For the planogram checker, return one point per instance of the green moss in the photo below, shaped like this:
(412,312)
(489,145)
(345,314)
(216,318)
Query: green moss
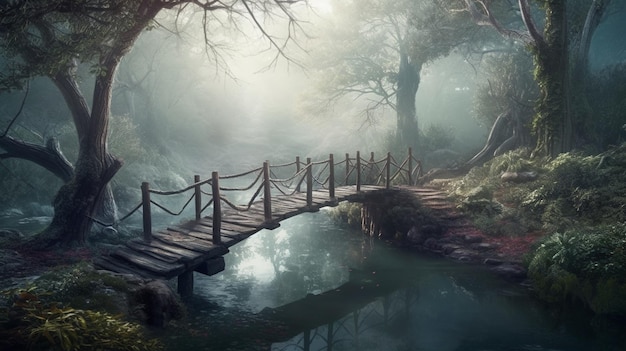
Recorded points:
(83,287)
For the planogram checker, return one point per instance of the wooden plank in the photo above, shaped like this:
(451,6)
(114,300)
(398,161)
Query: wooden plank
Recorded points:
(183,254)
(115,265)
(240,229)
(165,256)
(246,219)
(149,263)
(186,241)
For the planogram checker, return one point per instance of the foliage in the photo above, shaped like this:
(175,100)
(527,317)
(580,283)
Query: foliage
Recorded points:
(436,136)
(509,86)
(48,326)
(125,140)
(347,212)
(583,189)
(83,287)
(586,264)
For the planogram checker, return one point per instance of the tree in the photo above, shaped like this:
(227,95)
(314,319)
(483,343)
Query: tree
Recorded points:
(377,49)
(553,122)
(53,39)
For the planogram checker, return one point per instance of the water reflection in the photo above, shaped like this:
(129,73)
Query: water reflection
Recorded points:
(313,285)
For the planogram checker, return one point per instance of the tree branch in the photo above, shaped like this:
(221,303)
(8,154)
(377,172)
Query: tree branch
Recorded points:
(19,112)
(49,157)
(530,24)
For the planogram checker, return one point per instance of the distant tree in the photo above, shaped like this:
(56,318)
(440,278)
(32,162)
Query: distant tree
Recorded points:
(52,39)
(375,50)
(563,47)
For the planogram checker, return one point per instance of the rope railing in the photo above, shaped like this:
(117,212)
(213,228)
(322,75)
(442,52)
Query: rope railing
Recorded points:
(309,175)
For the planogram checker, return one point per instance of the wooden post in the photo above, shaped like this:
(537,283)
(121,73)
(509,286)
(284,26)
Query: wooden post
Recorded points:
(358,171)
(371,162)
(185,284)
(309,182)
(147,216)
(388,171)
(410,164)
(267,192)
(306,341)
(331,177)
(329,336)
(347,169)
(198,196)
(217,208)
(298,171)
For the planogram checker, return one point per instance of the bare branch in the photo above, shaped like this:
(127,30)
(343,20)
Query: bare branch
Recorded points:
(529,23)
(19,112)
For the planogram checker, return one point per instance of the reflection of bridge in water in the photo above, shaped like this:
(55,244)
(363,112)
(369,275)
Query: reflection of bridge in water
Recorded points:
(278,192)
(369,300)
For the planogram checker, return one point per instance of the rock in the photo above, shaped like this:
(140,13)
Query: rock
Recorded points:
(479,192)
(12,212)
(511,271)
(462,254)
(472,239)
(482,247)
(420,234)
(492,261)
(518,177)
(160,303)
(449,248)
(432,244)
(414,235)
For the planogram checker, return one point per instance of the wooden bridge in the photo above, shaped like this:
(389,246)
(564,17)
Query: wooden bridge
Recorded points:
(287,190)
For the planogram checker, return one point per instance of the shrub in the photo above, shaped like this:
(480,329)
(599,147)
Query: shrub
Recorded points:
(584,264)
(30,322)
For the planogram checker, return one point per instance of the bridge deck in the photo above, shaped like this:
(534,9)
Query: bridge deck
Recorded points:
(183,248)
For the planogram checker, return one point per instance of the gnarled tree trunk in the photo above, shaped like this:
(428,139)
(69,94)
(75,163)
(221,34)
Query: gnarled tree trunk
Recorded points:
(407,131)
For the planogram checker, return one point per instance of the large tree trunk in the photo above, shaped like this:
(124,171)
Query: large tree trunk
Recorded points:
(407,132)
(77,200)
(552,123)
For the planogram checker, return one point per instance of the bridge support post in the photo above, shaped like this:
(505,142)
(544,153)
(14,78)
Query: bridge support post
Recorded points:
(147,215)
(197,196)
(267,192)
(388,171)
(345,182)
(358,171)
(217,208)
(298,171)
(309,182)
(331,178)
(185,284)
(410,165)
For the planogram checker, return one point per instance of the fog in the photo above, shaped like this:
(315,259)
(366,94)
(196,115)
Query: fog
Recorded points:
(182,107)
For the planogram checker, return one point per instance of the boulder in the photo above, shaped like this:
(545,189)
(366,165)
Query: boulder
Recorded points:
(511,271)
(518,177)
(159,303)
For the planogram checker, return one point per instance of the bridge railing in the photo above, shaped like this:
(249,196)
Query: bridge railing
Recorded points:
(288,179)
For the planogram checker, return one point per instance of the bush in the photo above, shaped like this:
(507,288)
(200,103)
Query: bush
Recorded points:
(31,323)
(584,264)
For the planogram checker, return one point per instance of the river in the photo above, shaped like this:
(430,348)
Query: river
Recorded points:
(313,284)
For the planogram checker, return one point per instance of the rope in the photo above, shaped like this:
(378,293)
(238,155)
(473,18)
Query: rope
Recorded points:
(171,212)
(174,192)
(246,188)
(241,174)
(119,220)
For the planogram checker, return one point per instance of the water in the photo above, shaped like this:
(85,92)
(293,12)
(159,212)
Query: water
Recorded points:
(314,285)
